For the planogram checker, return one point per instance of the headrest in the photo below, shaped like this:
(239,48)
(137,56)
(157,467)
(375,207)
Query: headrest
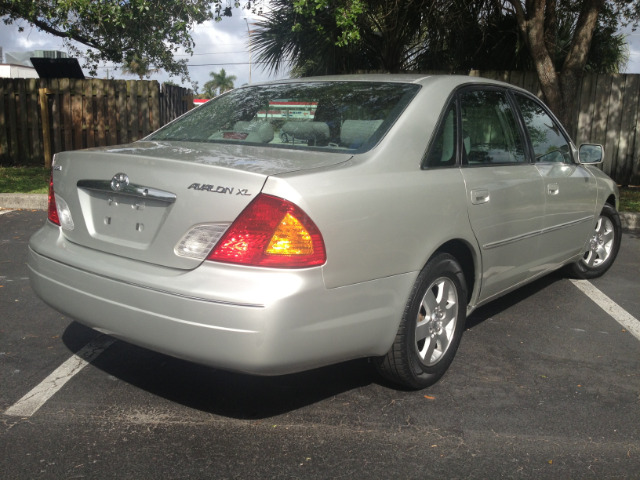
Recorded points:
(258,132)
(354,133)
(318,131)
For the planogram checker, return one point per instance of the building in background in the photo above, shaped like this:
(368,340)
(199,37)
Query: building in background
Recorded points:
(18,64)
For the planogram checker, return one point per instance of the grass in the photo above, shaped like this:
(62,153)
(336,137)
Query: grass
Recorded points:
(24,180)
(630,199)
(36,180)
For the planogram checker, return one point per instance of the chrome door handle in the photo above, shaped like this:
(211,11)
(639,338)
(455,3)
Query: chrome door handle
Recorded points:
(479,196)
(553,189)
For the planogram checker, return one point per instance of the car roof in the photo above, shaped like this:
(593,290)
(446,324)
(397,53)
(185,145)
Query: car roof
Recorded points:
(452,81)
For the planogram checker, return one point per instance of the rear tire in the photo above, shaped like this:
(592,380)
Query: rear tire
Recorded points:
(431,326)
(602,248)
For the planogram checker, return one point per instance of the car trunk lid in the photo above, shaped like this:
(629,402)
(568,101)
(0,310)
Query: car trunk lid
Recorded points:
(139,200)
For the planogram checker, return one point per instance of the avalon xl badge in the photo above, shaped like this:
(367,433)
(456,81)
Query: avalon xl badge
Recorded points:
(119,182)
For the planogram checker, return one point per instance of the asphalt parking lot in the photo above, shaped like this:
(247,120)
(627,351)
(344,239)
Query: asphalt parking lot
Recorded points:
(546,384)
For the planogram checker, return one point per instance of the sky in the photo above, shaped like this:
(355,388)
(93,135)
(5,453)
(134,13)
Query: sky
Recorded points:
(218,45)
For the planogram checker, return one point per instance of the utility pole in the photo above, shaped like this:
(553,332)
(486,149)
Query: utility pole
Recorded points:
(249,40)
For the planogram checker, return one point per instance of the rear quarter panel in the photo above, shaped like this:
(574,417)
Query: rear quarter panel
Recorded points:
(377,224)
(379,213)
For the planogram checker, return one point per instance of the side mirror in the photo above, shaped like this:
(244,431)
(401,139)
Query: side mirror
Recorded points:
(591,153)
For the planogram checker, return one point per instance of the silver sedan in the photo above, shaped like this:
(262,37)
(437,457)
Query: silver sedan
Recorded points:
(289,225)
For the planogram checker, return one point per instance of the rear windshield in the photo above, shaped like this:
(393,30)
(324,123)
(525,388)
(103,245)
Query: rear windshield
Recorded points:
(321,115)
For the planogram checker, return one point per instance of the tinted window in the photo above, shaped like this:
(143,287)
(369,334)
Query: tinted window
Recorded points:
(327,115)
(549,144)
(489,130)
(443,149)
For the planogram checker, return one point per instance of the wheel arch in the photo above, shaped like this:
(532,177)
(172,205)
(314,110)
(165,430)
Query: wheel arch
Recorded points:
(466,256)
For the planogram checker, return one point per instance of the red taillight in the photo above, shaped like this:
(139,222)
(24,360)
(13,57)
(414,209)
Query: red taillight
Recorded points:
(53,210)
(271,232)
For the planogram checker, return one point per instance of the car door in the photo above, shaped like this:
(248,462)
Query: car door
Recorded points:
(569,188)
(505,192)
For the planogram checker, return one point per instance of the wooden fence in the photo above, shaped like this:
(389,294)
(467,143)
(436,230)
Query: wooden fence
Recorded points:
(41,117)
(608,113)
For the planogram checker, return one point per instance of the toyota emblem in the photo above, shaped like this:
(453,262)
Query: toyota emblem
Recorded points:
(119,182)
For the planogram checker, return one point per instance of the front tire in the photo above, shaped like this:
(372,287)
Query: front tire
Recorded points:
(602,248)
(431,326)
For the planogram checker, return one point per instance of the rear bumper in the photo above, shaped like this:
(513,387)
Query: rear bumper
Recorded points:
(259,321)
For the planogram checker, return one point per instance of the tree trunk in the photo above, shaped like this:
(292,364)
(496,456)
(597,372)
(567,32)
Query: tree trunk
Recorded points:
(560,88)
(570,82)
(547,75)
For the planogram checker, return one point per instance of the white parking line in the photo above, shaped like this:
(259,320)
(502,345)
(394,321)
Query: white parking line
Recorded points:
(37,397)
(2,212)
(32,401)
(618,313)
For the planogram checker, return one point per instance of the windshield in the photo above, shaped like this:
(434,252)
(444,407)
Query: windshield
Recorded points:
(320,115)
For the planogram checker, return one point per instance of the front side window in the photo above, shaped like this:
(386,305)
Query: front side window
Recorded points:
(548,142)
(322,115)
(490,134)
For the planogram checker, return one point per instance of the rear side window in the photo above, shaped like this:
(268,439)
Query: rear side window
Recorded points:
(350,116)
(490,133)
(443,149)
(548,142)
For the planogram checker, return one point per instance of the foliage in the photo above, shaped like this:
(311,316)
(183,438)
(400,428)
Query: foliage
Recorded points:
(540,22)
(219,83)
(24,180)
(560,39)
(123,32)
(609,52)
(630,199)
(137,65)
(310,42)
(345,13)
(392,37)
(448,35)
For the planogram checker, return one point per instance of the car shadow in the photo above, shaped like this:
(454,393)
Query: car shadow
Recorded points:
(504,303)
(220,392)
(242,396)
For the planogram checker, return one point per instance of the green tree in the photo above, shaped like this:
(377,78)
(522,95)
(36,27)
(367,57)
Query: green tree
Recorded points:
(391,38)
(309,43)
(136,65)
(119,31)
(538,22)
(553,37)
(219,83)
(486,36)
(449,35)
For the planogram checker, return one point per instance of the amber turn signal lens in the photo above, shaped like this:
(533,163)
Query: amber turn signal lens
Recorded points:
(290,238)
(271,232)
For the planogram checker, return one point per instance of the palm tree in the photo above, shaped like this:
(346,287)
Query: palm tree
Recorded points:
(219,83)
(391,39)
(415,35)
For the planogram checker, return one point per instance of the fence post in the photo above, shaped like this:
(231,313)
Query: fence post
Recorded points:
(46,130)
(189,100)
